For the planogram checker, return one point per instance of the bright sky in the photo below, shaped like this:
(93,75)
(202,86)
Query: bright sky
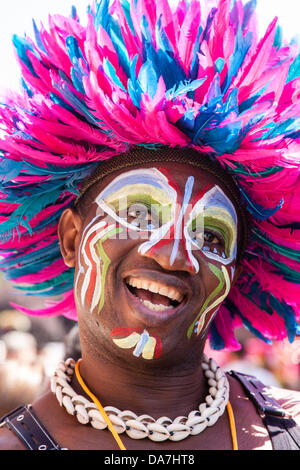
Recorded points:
(16,17)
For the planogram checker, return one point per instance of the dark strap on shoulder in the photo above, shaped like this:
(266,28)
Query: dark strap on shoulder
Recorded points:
(25,424)
(283,430)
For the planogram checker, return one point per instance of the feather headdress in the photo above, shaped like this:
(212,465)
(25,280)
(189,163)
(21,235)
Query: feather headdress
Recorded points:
(141,73)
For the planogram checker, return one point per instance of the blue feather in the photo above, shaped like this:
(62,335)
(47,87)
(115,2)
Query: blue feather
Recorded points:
(26,211)
(195,62)
(242,46)
(111,73)
(249,9)
(162,39)
(133,86)
(184,87)
(259,212)
(47,285)
(288,315)
(78,105)
(10,169)
(121,51)
(22,45)
(38,37)
(73,49)
(294,71)
(35,267)
(216,341)
(126,8)
(210,18)
(102,15)
(148,78)
(235,311)
(25,259)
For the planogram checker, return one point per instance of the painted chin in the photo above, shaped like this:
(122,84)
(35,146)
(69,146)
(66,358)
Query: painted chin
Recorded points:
(152,314)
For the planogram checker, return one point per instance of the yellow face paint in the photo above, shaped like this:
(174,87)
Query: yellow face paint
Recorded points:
(144,344)
(129,342)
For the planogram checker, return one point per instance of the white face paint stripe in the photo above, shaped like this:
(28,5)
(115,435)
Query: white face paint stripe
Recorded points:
(98,261)
(155,237)
(114,216)
(88,263)
(187,196)
(153,173)
(80,267)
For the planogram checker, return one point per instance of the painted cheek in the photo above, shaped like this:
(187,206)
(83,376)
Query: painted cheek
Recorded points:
(214,300)
(93,264)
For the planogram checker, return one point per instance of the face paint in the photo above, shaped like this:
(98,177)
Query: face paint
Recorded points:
(213,301)
(139,190)
(145,345)
(96,263)
(210,216)
(178,230)
(149,192)
(213,216)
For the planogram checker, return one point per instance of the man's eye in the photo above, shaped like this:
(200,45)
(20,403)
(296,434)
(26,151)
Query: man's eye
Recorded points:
(210,237)
(141,216)
(137,214)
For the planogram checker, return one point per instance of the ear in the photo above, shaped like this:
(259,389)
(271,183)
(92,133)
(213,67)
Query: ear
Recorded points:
(69,227)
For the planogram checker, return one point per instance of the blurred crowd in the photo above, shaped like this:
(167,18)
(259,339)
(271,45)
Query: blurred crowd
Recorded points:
(276,364)
(30,349)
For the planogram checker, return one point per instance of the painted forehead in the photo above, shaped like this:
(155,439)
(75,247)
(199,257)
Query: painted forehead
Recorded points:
(129,182)
(162,188)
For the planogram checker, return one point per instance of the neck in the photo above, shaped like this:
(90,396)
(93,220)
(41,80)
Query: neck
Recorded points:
(170,392)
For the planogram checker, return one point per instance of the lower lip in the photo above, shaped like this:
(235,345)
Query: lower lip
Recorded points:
(148,316)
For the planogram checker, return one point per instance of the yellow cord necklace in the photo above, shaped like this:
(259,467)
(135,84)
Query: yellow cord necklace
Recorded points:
(116,435)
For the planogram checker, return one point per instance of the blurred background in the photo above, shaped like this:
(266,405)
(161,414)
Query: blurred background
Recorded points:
(30,347)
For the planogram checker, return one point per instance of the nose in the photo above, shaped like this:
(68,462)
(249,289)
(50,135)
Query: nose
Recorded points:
(172,260)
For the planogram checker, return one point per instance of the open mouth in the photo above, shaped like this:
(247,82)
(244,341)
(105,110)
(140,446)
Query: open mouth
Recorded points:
(154,295)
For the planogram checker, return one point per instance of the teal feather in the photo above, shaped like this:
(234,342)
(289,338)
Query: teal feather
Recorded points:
(51,283)
(22,45)
(28,210)
(111,72)
(294,71)
(183,87)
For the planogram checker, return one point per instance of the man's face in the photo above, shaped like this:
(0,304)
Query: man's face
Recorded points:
(156,258)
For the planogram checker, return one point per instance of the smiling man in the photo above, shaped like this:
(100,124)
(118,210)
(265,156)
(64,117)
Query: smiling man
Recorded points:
(164,301)
(157,252)
(150,188)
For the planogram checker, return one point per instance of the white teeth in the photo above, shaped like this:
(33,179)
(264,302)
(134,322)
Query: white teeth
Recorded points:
(151,306)
(156,288)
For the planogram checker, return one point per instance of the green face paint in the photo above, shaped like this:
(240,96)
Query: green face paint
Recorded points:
(139,200)
(214,218)
(106,262)
(93,263)
(213,301)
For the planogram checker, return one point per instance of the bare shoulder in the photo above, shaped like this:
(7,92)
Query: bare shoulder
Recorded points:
(9,441)
(289,400)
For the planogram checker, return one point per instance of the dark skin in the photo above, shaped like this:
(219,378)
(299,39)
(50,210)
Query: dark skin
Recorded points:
(170,386)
